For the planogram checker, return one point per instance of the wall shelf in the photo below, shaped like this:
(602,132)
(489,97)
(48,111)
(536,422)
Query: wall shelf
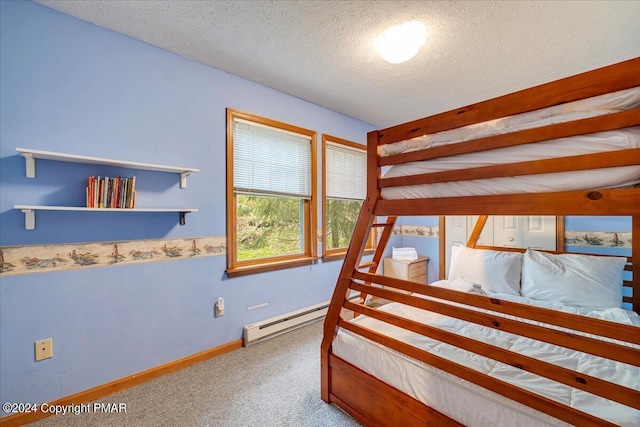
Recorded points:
(30,157)
(30,212)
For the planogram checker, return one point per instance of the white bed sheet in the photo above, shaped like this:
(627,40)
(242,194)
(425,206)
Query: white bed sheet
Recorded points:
(565,181)
(470,404)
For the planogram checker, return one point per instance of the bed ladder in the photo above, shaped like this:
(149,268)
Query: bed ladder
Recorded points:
(387,229)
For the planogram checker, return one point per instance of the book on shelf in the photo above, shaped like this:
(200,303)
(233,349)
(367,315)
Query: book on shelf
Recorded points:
(110,192)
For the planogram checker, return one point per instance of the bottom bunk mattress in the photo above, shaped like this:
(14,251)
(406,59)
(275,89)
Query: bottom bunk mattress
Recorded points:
(473,405)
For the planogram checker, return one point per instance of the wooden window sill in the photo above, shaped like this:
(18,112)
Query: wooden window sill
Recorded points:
(269,266)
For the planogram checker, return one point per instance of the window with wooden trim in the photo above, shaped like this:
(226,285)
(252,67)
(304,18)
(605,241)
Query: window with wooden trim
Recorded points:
(344,175)
(271,186)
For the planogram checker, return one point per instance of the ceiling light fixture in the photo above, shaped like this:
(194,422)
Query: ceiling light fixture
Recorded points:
(401,42)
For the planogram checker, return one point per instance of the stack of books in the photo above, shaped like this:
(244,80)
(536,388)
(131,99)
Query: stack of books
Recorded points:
(106,192)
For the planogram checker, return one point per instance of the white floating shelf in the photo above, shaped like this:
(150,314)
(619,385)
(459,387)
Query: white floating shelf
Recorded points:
(30,212)
(30,157)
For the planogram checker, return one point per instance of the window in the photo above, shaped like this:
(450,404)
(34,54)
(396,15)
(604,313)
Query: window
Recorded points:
(344,172)
(271,209)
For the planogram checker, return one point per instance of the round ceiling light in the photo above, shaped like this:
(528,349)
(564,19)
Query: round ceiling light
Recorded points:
(401,42)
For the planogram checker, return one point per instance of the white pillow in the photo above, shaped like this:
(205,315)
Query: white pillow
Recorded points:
(581,280)
(495,271)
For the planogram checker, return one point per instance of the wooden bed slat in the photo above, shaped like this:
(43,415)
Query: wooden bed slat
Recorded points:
(588,383)
(603,80)
(608,159)
(561,338)
(576,322)
(623,201)
(612,121)
(528,398)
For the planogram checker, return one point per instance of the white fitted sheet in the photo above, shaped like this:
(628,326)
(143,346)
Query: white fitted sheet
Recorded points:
(470,404)
(561,147)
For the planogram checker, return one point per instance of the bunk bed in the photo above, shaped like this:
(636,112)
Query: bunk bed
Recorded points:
(511,341)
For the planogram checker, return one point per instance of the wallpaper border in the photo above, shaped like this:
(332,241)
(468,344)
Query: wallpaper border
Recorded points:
(606,239)
(17,260)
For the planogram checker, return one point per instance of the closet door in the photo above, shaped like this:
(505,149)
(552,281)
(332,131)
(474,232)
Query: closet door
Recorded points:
(487,236)
(535,232)
(456,231)
(507,231)
(539,232)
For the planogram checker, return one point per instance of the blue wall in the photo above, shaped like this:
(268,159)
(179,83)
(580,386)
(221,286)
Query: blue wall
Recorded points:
(70,86)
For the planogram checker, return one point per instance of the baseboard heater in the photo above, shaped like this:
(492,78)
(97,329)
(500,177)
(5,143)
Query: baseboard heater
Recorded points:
(269,328)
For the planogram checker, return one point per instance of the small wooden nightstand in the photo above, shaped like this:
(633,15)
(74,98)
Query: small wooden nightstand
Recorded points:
(414,270)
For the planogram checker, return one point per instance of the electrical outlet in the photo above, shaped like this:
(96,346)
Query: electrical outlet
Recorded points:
(219,308)
(44,349)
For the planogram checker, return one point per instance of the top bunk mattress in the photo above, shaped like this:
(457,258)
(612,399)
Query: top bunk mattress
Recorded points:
(620,139)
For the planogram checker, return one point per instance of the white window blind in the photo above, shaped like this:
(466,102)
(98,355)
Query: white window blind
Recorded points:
(267,160)
(346,172)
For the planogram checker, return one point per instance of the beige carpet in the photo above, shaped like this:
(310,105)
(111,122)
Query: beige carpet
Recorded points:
(271,384)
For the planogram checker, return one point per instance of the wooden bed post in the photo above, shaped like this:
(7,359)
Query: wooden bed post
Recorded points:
(560,233)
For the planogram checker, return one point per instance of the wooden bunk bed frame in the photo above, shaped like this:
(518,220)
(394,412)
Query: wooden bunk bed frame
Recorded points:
(373,402)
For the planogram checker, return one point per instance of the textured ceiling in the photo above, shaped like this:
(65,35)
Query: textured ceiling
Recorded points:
(324,51)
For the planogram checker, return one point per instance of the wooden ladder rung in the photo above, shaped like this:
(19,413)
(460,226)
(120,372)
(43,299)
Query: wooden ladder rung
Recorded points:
(358,300)
(382,224)
(368,264)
